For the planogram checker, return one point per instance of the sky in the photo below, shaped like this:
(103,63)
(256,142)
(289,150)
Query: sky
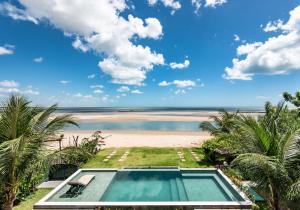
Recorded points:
(146,53)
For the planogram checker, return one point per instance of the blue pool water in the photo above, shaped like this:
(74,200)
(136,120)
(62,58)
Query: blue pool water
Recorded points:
(139,125)
(152,186)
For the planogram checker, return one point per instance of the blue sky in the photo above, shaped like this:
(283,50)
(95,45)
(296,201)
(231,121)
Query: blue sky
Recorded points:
(150,52)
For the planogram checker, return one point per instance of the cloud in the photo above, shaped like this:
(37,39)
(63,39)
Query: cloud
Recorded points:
(164,83)
(9,83)
(9,90)
(197,5)
(77,44)
(15,13)
(214,3)
(247,48)
(277,55)
(30,92)
(99,27)
(96,86)
(64,82)
(180,91)
(273,26)
(136,92)
(98,91)
(123,89)
(184,83)
(173,4)
(183,65)
(79,95)
(92,76)
(38,59)
(11,86)
(179,83)
(7,49)
(236,37)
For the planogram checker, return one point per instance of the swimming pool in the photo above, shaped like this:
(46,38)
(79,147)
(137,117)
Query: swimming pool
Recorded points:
(172,187)
(139,125)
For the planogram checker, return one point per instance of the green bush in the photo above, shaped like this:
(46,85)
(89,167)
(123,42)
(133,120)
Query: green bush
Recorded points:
(209,148)
(90,145)
(71,155)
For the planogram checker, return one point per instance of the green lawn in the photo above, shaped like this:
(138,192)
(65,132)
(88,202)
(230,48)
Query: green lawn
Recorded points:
(32,199)
(148,157)
(136,157)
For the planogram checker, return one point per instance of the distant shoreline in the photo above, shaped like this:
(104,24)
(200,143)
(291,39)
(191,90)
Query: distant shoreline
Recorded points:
(156,109)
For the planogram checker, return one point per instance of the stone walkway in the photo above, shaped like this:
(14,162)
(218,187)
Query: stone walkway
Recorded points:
(181,156)
(124,156)
(195,156)
(107,158)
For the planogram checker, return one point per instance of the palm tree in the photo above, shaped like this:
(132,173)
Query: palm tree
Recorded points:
(23,129)
(220,124)
(269,153)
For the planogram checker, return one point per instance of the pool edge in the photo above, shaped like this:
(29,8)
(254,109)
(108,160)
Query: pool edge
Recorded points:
(246,204)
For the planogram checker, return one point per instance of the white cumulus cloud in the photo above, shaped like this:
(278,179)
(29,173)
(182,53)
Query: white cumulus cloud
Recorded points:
(214,3)
(273,26)
(38,59)
(98,91)
(15,13)
(7,49)
(236,37)
(183,65)
(99,26)
(92,76)
(123,89)
(9,83)
(136,92)
(197,5)
(96,86)
(164,83)
(173,4)
(179,83)
(277,55)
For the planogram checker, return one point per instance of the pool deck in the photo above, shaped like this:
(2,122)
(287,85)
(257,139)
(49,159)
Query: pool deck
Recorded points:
(245,204)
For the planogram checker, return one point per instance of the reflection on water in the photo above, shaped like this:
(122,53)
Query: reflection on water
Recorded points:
(139,125)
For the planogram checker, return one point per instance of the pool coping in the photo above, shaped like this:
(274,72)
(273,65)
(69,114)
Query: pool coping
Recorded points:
(246,204)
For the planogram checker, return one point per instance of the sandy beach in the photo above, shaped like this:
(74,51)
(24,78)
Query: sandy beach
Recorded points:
(143,138)
(140,138)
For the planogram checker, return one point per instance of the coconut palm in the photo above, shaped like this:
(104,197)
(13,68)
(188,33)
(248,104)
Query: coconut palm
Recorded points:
(23,129)
(220,124)
(269,153)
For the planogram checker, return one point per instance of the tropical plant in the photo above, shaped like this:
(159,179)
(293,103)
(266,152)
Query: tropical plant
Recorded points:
(295,100)
(212,145)
(23,129)
(269,153)
(220,124)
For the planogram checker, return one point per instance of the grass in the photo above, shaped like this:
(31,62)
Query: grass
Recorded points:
(148,157)
(32,199)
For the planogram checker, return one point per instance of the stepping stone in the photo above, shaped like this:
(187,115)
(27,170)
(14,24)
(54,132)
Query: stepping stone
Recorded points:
(105,160)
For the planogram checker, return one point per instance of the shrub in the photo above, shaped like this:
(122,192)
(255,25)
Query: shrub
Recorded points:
(210,147)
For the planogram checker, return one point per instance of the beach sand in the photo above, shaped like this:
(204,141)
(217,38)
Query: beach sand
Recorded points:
(143,138)
(140,138)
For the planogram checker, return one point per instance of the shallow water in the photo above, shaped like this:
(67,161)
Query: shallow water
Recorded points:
(139,125)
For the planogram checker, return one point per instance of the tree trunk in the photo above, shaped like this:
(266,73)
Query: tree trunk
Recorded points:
(275,198)
(9,202)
